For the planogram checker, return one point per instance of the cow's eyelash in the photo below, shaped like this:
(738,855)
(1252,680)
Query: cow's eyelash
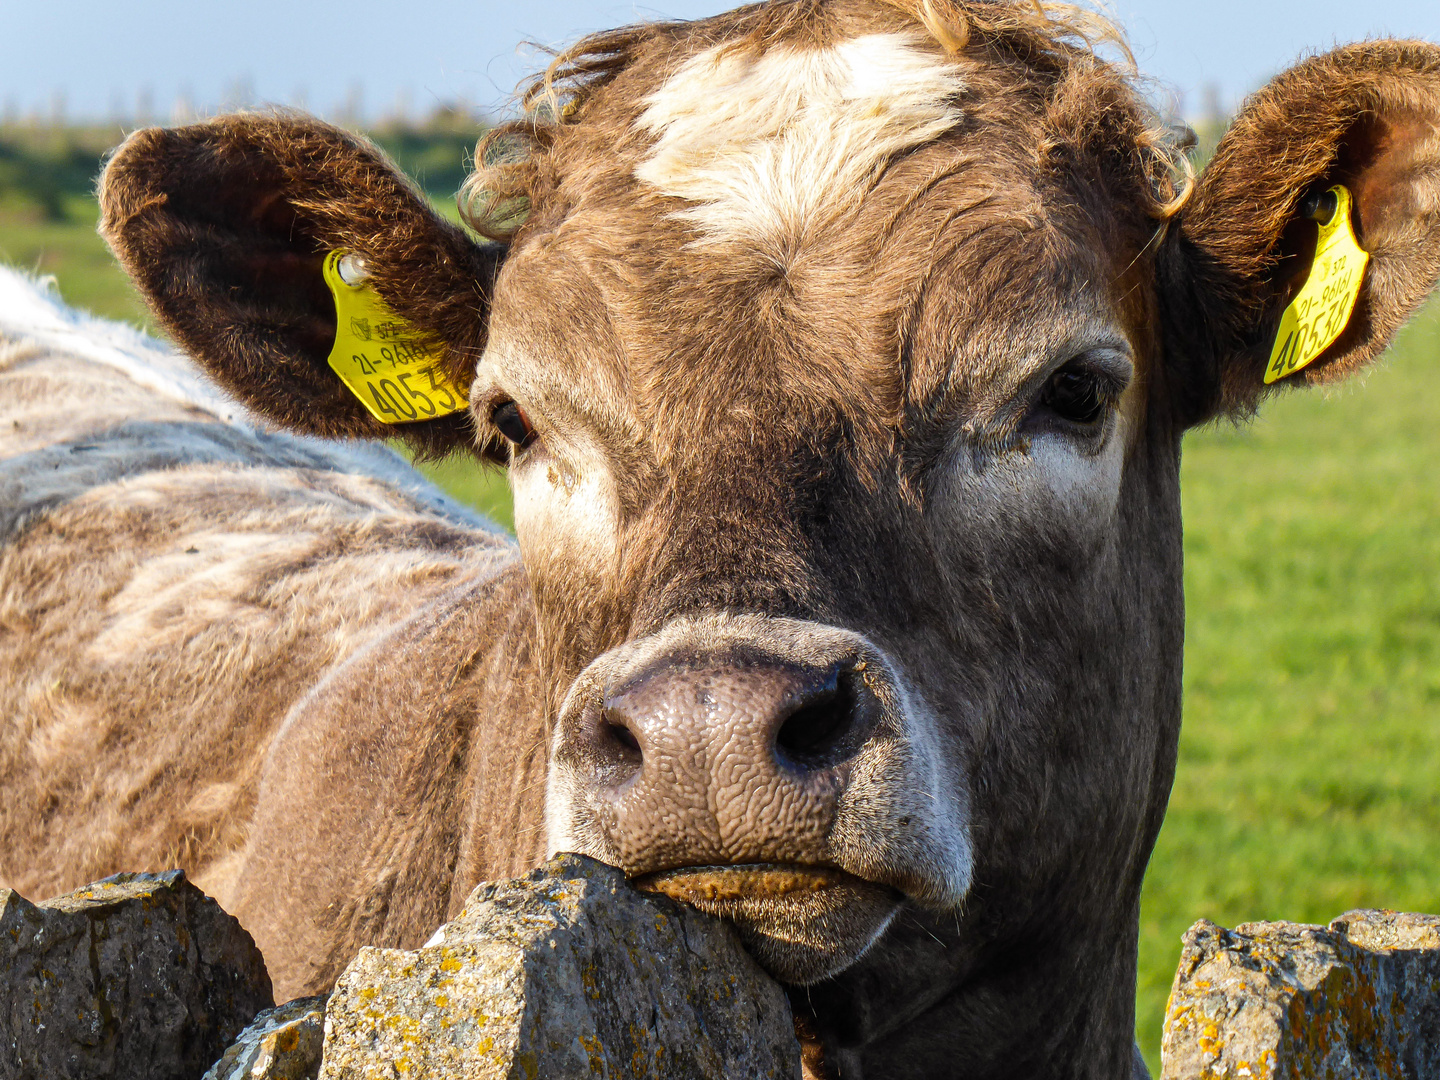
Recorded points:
(1079,394)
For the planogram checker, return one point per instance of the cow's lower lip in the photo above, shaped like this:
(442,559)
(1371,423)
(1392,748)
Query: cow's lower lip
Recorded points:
(803,923)
(717,884)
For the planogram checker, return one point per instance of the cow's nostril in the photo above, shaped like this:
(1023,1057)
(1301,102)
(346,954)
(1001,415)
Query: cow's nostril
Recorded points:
(621,739)
(821,731)
(615,752)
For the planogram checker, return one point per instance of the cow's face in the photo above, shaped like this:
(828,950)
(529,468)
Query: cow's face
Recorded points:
(840,369)
(819,455)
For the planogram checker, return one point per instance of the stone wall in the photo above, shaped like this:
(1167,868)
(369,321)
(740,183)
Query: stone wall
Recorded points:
(569,973)
(566,973)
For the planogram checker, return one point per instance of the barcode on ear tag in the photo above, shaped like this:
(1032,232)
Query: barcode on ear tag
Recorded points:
(1323,306)
(396,375)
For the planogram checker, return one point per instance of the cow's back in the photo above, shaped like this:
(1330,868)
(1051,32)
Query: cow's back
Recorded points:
(173,580)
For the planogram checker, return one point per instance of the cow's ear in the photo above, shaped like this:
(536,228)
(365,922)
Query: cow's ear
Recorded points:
(1364,116)
(225,227)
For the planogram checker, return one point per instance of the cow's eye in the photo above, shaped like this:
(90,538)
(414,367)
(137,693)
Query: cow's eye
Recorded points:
(1077,395)
(513,423)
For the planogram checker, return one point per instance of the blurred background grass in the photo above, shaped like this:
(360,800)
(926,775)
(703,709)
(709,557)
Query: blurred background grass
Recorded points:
(1311,748)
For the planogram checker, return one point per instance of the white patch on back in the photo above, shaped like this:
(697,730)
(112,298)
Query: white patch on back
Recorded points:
(33,319)
(31,310)
(775,145)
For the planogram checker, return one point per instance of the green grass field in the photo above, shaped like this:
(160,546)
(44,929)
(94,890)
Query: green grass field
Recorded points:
(1311,750)
(1309,777)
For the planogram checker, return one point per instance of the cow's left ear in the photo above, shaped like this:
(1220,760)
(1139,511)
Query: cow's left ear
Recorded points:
(1364,116)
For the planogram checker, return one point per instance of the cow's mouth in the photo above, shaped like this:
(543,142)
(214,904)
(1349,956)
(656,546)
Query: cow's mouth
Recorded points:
(802,923)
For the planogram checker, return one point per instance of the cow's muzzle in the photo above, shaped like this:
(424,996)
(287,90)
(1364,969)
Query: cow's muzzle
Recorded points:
(765,771)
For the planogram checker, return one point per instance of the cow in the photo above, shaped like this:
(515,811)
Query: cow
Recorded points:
(839,353)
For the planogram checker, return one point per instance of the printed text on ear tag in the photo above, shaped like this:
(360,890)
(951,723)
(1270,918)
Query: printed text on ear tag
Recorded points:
(1321,309)
(379,356)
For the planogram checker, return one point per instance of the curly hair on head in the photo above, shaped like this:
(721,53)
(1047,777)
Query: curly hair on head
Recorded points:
(1091,103)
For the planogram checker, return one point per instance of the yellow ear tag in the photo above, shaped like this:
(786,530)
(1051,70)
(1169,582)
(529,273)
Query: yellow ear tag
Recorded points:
(1321,309)
(379,356)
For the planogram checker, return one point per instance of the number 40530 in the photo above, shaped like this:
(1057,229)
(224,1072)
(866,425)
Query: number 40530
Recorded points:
(401,398)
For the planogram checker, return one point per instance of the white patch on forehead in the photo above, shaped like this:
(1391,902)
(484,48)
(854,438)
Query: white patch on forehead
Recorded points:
(773,145)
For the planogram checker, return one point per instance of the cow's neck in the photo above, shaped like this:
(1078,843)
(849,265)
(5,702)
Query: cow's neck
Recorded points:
(1062,1010)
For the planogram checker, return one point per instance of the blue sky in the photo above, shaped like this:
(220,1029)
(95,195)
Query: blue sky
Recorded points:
(99,58)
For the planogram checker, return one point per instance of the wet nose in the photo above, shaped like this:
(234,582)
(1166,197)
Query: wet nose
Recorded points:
(717,760)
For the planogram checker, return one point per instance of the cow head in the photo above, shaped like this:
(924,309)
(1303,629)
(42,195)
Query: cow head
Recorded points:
(840,360)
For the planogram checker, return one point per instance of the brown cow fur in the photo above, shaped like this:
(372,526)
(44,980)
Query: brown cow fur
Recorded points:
(838,414)
(172,643)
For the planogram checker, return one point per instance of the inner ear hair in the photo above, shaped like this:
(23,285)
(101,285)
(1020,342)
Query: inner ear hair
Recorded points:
(1366,116)
(224,227)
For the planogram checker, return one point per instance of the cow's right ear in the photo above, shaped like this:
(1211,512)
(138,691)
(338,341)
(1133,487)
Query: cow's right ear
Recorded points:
(225,226)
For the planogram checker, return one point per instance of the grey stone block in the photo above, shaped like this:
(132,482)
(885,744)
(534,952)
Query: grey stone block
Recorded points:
(1359,999)
(567,972)
(137,976)
(282,1044)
